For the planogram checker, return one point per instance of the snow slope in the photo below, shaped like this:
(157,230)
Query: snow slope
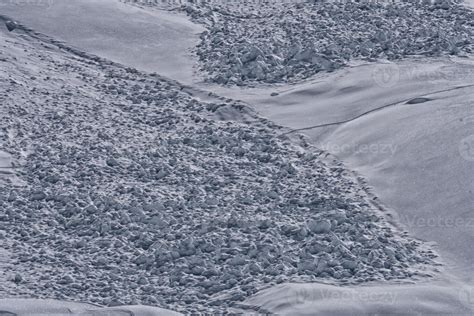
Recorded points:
(153,41)
(35,307)
(135,192)
(414,145)
(417,159)
(430,166)
(405,166)
(434,298)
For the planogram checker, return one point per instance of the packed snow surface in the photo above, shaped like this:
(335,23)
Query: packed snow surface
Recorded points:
(35,307)
(135,192)
(5,164)
(116,31)
(323,299)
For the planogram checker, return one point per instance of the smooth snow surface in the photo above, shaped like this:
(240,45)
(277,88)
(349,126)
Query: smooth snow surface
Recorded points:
(153,41)
(7,168)
(5,160)
(320,299)
(35,307)
(30,307)
(5,165)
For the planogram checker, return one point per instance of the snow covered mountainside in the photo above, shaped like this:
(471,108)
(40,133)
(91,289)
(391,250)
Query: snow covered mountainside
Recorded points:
(126,189)
(123,187)
(99,26)
(286,42)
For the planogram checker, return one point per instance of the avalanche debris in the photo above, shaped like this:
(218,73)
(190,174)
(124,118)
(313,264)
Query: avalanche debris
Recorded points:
(277,42)
(134,192)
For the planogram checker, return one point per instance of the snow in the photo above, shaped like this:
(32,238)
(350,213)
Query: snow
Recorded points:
(388,140)
(32,307)
(5,160)
(153,41)
(434,298)
(426,136)
(283,42)
(180,209)
(469,3)
(404,127)
(25,307)
(7,173)
(412,143)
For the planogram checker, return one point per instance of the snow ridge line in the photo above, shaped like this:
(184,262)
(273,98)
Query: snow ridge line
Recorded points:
(375,110)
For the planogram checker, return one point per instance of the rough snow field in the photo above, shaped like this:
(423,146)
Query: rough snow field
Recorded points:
(121,187)
(286,42)
(134,192)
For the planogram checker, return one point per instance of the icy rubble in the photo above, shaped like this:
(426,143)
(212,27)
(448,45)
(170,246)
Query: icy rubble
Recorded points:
(135,193)
(273,43)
